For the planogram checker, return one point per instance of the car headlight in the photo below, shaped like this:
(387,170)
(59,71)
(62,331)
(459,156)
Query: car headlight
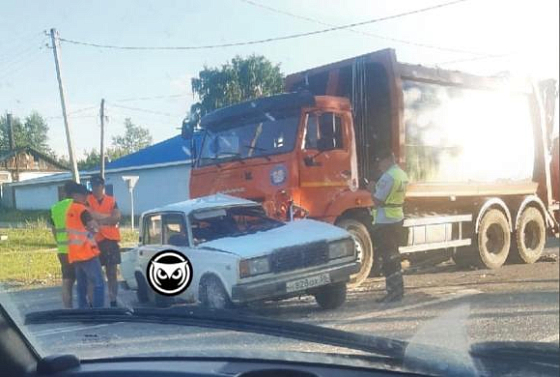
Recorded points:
(341,249)
(252,267)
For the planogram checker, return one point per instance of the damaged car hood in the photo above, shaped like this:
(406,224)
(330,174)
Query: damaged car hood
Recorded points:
(294,233)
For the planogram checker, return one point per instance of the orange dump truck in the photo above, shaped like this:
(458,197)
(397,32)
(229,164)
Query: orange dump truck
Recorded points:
(477,151)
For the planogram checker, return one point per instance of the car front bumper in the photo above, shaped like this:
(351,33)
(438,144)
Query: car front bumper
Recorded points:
(275,287)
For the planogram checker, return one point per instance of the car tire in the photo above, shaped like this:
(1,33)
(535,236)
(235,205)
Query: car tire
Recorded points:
(213,295)
(142,292)
(364,246)
(163,301)
(530,237)
(331,296)
(494,239)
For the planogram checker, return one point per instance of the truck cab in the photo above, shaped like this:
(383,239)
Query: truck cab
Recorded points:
(285,152)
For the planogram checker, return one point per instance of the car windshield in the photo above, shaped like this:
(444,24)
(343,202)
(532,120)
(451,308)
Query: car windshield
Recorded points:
(266,137)
(230,222)
(345,179)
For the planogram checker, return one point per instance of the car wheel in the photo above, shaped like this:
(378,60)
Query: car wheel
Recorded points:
(331,296)
(213,295)
(364,248)
(142,291)
(530,237)
(494,239)
(163,301)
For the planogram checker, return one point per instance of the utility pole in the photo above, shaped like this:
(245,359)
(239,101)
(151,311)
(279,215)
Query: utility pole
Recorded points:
(71,153)
(12,144)
(102,147)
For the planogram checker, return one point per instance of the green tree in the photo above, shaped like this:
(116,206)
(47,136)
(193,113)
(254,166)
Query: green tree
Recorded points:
(32,131)
(91,160)
(134,139)
(239,80)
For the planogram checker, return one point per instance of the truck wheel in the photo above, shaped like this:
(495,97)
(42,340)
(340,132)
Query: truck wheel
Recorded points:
(142,291)
(364,249)
(331,296)
(530,237)
(213,295)
(494,239)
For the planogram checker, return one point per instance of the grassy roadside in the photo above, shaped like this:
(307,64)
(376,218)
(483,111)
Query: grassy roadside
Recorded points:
(28,257)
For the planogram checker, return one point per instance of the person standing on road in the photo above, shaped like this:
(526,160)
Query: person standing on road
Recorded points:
(82,249)
(58,227)
(388,196)
(106,211)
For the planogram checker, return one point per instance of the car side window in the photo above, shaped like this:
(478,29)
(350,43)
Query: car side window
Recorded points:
(152,230)
(326,127)
(175,230)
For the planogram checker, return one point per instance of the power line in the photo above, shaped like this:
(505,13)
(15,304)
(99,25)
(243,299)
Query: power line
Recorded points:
(153,97)
(267,40)
(403,41)
(477,58)
(145,110)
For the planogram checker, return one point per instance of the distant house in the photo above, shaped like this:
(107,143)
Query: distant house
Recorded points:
(22,164)
(163,170)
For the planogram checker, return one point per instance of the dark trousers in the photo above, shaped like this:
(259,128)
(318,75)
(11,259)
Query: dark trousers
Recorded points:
(386,241)
(90,272)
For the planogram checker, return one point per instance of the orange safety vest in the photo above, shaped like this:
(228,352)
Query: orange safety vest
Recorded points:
(106,232)
(81,245)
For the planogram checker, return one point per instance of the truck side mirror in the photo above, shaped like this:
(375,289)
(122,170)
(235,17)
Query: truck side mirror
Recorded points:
(187,129)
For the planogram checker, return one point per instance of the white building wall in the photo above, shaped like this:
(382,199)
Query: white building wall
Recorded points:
(36,196)
(155,187)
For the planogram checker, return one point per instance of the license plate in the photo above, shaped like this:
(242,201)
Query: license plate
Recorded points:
(310,282)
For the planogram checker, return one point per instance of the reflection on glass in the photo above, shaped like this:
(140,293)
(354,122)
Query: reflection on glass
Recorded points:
(250,139)
(466,135)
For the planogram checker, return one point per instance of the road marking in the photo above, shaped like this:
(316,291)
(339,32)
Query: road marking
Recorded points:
(70,329)
(551,339)
(450,297)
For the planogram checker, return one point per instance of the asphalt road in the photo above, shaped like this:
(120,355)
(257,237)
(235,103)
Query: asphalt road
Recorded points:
(444,305)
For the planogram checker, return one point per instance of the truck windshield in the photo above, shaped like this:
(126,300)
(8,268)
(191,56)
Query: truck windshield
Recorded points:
(231,222)
(256,138)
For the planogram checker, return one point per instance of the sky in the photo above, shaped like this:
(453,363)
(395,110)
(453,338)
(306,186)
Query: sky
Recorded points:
(153,87)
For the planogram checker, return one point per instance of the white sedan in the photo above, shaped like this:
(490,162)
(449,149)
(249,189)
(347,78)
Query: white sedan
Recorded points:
(240,255)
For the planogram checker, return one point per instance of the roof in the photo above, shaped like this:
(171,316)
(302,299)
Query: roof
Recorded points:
(6,154)
(215,201)
(258,108)
(174,150)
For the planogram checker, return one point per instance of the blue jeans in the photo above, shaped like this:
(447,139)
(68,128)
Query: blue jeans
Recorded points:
(90,272)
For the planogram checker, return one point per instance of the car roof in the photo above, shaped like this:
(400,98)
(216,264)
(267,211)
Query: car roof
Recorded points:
(206,202)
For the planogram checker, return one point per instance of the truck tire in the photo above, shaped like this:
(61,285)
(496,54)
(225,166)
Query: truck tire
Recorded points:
(213,295)
(331,296)
(530,237)
(142,291)
(364,248)
(494,239)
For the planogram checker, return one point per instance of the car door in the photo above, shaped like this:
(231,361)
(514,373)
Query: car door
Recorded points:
(175,237)
(151,241)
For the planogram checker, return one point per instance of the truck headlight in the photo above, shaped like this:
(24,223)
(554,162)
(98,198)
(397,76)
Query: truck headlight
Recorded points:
(252,267)
(341,249)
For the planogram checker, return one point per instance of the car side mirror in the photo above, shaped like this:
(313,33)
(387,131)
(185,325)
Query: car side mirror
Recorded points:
(325,144)
(187,129)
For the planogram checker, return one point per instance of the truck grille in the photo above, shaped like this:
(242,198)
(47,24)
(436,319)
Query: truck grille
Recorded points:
(293,258)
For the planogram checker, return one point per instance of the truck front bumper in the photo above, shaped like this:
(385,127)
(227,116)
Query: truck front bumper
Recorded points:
(275,287)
